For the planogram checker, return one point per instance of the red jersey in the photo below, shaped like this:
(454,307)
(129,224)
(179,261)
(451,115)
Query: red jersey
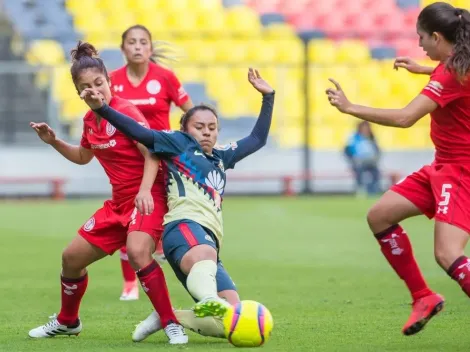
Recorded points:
(153,96)
(450,122)
(121,159)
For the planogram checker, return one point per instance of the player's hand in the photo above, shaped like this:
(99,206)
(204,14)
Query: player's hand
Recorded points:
(408,64)
(92,98)
(144,202)
(44,132)
(258,83)
(337,98)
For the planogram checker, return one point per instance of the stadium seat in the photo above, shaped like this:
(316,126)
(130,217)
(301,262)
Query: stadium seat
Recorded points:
(352,51)
(280,31)
(322,51)
(45,52)
(211,23)
(243,21)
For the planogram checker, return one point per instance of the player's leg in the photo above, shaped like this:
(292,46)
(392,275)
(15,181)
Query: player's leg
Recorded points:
(141,243)
(130,290)
(451,187)
(206,326)
(74,280)
(411,197)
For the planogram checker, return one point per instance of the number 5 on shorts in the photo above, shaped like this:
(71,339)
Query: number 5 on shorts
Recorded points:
(445,195)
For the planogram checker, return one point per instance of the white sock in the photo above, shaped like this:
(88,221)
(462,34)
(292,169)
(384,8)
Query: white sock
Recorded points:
(201,281)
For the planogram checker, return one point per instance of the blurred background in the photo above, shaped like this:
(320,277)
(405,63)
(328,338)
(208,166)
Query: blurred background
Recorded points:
(296,44)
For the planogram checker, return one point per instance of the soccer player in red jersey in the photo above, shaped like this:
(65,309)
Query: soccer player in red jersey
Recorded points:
(440,190)
(152,88)
(131,171)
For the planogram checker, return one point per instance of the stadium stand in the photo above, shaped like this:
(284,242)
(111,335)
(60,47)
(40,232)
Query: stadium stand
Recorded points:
(235,34)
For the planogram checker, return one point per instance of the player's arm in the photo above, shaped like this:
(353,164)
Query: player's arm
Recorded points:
(144,199)
(412,66)
(259,135)
(177,93)
(188,104)
(402,118)
(75,153)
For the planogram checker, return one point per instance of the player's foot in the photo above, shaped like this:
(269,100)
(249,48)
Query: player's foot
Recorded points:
(423,310)
(176,334)
(54,328)
(147,327)
(130,292)
(211,307)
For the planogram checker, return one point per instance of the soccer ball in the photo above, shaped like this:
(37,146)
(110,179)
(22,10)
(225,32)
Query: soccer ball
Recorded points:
(248,324)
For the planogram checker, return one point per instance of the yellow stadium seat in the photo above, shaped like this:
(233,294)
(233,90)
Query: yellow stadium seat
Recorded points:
(175,5)
(45,52)
(218,81)
(211,23)
(175,116)
(206,5)
(322,51)
(102,40)
(353,51)
(62,85)
(230,51)
(464,4)
(119,21)
(150,6)
(182,23)
(289,51)
(155,21)
(113,6)
(261,51)
(80,6)
(90,22)
(198,51)
(280,31)
(243,21)
(189,73)
(73,109)
(291,137)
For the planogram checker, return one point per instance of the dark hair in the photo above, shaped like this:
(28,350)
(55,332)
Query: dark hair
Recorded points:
(367,124)
(85,56)
(454,24)
(188,114)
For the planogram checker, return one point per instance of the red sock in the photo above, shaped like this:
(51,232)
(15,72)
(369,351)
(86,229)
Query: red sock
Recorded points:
(153,282)
(72,291)
(460,272)
(127,272)
(396,247)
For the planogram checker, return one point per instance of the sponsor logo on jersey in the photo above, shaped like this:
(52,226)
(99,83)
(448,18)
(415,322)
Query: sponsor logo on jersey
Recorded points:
(149,101)
(153,86)
(215,181)
(110,144)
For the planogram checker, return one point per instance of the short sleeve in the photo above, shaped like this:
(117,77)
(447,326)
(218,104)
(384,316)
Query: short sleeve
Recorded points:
(176,91)
(84,141)
(170,142)
(443,87)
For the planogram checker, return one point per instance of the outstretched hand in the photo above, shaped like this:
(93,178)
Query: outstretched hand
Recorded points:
(44,132)
(92,98)
(337,98)
(258,82)
(408,64)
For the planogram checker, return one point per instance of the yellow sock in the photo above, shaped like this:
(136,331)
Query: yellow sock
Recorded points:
(207,326)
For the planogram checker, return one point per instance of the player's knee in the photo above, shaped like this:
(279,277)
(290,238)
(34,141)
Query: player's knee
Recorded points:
(376,217)
(139,256)
(197,254)
(71,261)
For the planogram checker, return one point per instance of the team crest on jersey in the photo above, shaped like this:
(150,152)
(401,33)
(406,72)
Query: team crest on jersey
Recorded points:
(110,129)
(153,86)
(89,224)
(90,131)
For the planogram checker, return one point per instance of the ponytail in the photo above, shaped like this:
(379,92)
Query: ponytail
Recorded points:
(459,62)
(164,52)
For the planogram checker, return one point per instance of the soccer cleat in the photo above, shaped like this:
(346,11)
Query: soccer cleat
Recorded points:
(176,334)
(54,328)
(211,307)
(130,292)
(147,327)
(423,310)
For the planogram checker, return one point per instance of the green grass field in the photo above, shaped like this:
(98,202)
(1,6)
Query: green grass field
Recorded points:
(311,261)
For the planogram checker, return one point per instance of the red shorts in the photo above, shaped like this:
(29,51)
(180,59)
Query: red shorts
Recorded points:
(440,191)
(107,229)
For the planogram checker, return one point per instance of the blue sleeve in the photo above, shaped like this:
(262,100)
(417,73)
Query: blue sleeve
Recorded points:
(126,125)
(236,151)
(169,142)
